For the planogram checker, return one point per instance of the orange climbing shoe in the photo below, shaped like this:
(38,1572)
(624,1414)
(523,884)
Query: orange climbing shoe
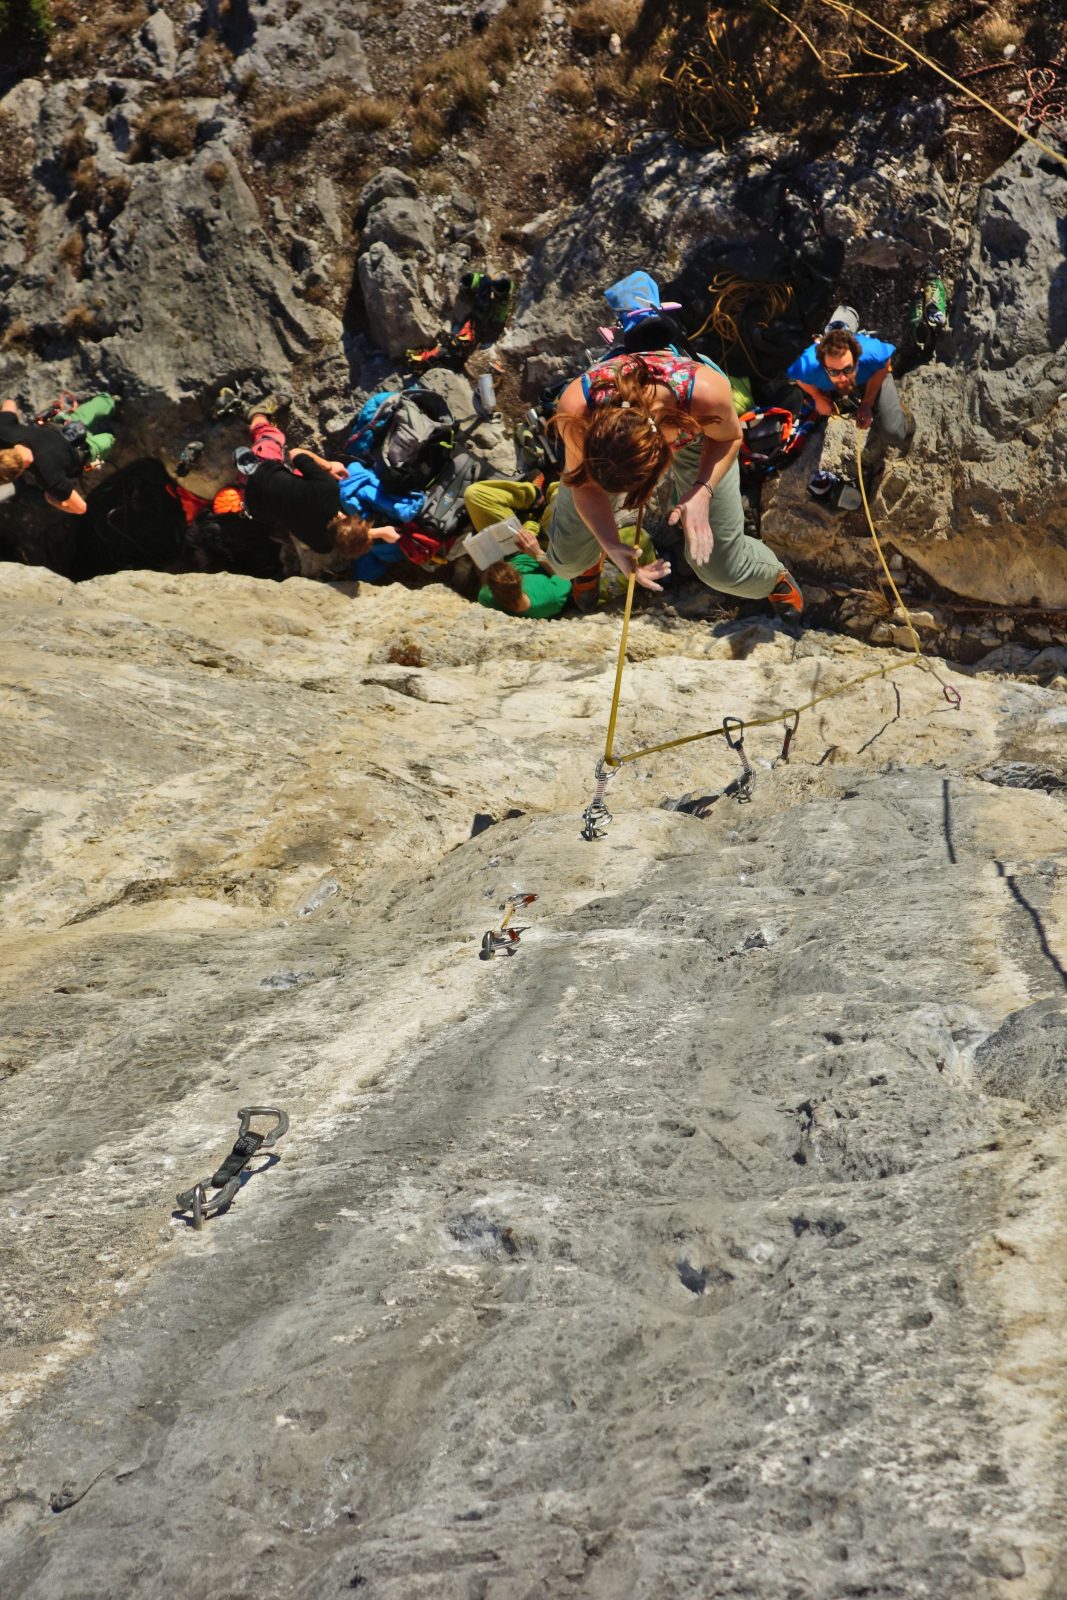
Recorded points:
(785,598)
(585,588)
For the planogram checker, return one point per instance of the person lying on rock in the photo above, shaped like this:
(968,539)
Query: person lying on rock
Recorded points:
(626,424)
(54,454)
(301,493)
(524,584)
(843,366)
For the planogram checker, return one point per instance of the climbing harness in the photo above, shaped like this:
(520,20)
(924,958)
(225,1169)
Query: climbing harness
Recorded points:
(736,741)
(63,403)
(227,1180)
(505,939)
(733,728)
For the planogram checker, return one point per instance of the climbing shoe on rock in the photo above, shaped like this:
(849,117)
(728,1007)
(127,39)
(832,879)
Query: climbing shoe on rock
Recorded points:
(786,599)
(269,407)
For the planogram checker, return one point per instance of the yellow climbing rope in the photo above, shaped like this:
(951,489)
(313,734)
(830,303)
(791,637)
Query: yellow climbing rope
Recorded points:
(854,11)
(712,94)
(614,762)
(731,298)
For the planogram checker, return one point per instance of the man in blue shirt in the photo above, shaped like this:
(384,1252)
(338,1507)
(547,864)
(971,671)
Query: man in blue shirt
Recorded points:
(852,366)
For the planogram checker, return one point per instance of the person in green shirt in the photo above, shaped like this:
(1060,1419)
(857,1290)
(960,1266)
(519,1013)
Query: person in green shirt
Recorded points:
(525,584)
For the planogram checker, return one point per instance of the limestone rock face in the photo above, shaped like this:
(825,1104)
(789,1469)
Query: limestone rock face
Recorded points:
(712,1243)
(175,288)
(979,502)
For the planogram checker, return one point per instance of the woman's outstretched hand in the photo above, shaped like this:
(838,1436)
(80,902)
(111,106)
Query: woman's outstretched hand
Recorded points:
(692,512)
(648,575)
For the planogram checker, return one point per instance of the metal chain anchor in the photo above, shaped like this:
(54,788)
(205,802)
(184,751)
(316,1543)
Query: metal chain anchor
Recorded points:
(596,818)
(505,939)
(227,1180)
(736,741)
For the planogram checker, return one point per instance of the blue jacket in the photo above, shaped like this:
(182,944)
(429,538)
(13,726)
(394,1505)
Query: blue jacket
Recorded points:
(874,353)
(362,494)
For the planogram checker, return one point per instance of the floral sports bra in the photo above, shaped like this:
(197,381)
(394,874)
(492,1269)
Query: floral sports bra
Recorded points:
(674,372)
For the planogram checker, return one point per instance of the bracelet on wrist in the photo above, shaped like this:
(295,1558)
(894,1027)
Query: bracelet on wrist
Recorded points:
(702,483)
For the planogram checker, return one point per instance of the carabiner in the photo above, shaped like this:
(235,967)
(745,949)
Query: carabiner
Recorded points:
(789,734)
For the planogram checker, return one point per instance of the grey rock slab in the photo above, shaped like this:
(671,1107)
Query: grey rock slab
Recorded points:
(406,225)
(1026,1059)
(666,1257)
(397,315)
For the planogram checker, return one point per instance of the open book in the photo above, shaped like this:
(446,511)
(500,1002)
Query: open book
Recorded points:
(492,543)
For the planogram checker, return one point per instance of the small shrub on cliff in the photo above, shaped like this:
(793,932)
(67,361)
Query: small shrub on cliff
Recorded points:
(295,124)
(166,130)
(25,22)
(594,22)
(995,32)
(72,253)
(82,322)
(370,112)
(573,87)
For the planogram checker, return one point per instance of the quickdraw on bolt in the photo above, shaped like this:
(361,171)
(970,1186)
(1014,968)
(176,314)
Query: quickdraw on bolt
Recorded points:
(596,818)
(736,741)
(227,1180)
(505,939)
(790,731)
(952,695)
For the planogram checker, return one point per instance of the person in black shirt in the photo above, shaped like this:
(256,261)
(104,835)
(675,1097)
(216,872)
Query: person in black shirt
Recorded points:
(302,495)
(48,460)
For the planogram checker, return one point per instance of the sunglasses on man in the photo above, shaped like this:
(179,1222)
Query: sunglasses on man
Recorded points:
(840,372)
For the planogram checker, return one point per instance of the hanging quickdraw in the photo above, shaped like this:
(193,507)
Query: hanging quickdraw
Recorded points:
(736,741)
(505,939)
(596,818)
(790,731)
(227,1180)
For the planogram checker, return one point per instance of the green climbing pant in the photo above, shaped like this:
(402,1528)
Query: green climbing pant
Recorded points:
(492,499)
(738,564)
(100,406)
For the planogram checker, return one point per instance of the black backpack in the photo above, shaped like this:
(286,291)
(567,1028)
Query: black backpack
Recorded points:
(444,513)
(133,519)
(233,542)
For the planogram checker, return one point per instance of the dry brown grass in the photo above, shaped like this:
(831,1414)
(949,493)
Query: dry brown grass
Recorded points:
(111,201)
(579,150)
(72,253)
(405,653)
(85,37)
(216,173)
(572,87)
(995,31)
(75,147)
(166,129)
(84,186)
(209,67)
(454,88)
(296,124)
(369,113)
(18,335)
(82,322)
(593,22)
